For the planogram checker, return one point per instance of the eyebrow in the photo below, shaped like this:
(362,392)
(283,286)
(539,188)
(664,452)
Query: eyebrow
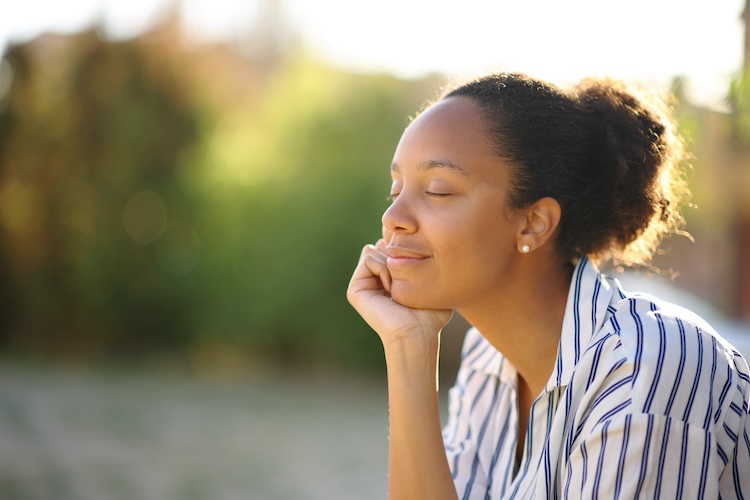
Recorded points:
(431,164)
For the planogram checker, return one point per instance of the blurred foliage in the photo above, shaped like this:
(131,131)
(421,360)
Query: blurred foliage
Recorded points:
(159,198)
(739,102)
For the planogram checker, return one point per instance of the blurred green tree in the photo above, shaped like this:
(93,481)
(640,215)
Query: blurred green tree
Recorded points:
(159,198)
(86,125)
(298,185)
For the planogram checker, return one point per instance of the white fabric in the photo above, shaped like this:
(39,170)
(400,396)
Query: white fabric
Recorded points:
(645,400)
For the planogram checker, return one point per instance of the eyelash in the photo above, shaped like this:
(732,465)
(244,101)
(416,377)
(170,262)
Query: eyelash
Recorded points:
(391,197)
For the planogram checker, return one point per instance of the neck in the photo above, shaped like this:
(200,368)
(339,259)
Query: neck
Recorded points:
(524,320)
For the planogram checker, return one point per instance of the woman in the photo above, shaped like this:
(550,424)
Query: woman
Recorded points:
(505,193)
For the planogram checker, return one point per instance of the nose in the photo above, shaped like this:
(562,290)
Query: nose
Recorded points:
(398,217)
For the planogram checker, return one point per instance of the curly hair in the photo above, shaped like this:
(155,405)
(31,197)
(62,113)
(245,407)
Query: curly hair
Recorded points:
(609,155)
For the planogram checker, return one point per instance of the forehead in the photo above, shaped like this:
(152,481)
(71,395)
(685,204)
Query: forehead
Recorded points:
(452,131)
(455,119)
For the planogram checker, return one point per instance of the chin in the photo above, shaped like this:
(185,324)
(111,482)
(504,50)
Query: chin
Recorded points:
(416,297)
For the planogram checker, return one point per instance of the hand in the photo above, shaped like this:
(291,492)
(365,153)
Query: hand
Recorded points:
(369,293)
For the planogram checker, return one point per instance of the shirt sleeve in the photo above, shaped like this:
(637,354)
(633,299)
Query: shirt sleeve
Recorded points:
(460,447)
(467,403)
(644,455)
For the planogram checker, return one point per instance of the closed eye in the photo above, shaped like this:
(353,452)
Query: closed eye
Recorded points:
(391,197)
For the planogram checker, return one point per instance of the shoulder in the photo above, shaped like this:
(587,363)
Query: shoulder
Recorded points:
(657,333)
(677,364)
(642,320)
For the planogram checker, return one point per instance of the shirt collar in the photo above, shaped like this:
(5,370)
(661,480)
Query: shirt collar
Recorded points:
(585,313)
(482,356)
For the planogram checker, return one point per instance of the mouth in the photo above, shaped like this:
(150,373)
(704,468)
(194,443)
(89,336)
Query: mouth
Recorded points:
(399,258)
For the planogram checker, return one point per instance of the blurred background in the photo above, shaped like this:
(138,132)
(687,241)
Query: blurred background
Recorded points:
(185,187)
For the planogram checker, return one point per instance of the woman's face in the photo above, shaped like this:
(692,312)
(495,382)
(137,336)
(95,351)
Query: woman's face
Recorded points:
(450,235)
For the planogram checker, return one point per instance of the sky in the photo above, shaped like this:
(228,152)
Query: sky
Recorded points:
(649,41)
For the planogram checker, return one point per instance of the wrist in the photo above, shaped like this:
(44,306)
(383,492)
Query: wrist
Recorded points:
(413,360)
(413,344)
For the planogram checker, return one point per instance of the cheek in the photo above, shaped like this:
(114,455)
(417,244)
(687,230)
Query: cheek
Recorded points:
(469,239)
(480,247)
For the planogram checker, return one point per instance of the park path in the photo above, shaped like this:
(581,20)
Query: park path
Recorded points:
(104,434)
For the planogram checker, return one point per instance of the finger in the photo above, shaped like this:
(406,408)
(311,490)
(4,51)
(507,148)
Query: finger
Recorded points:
(378,250)
(370,268)
(377,266)
(388,281)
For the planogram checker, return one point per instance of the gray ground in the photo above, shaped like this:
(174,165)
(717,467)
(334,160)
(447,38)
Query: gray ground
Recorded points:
(93,435)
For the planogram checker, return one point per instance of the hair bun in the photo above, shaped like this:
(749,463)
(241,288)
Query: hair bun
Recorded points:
(635,145)
(628,133)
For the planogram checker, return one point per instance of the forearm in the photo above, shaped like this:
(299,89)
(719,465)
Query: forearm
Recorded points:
(418,467)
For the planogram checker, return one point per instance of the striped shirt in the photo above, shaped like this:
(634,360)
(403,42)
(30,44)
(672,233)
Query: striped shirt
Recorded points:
(645,400)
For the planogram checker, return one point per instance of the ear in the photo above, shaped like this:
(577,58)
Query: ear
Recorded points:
(541,221)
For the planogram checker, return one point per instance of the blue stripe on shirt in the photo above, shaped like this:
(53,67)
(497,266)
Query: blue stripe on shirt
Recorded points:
(644,400)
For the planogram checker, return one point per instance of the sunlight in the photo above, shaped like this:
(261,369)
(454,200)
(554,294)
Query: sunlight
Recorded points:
(648,41)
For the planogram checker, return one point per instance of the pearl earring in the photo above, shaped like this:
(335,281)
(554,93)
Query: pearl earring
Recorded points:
(525,249)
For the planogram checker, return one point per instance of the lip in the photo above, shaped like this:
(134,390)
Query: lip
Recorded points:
(400,258)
